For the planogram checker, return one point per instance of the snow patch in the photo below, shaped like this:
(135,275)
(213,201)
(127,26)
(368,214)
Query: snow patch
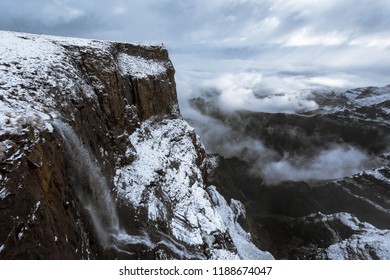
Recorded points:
(368,242)
(222,254)
(35,74)
(139,67)
(377,174)
(4,193)
(20,234)
(241,239)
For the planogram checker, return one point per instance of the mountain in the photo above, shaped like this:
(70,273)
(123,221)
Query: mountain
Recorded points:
(316,184)
(96,161)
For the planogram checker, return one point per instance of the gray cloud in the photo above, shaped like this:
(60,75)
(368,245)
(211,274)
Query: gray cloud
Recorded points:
(213,24)
(280,49)
(334,163)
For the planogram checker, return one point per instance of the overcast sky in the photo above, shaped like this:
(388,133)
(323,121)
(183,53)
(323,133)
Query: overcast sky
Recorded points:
(273,44)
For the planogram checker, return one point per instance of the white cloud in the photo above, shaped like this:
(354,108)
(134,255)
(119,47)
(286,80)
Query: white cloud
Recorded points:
(329,82)
(334,163)
(306,37)
(245,91)
(119,9)
(372,41)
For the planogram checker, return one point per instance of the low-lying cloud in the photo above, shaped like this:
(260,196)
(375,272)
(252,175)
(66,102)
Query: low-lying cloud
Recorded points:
(334,163)
(245,91)
(229,93)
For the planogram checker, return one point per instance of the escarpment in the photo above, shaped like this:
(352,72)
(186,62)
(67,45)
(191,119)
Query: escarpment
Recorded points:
(96,162)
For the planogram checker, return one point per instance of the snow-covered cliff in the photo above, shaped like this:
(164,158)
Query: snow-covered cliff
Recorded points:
(96,161)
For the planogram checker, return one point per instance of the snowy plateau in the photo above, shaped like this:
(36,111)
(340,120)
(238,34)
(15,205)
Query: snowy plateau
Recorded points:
(96,162)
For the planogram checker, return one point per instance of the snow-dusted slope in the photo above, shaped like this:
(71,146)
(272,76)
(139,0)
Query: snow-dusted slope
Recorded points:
(371,103)
(38,74)
(365,241)
(166,181)
(61,98)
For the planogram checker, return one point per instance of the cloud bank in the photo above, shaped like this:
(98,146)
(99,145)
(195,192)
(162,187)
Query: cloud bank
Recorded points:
(245,91)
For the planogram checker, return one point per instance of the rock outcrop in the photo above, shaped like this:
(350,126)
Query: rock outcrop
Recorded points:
(96,162)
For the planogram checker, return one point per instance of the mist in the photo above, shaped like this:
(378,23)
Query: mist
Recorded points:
(329,164)
(245,91)
(336,162)
(249,91)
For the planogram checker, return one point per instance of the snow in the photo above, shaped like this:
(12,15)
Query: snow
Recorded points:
(2,248)
(4,193)
(212,162)
(165,175)
(37,74)
(166,157)
(31,67)
(377,206)
(357,98)
(377,174)
(222,254)
(139,67)
(20,234)
(241,239)
(376,97)
(32,218)
(367,242)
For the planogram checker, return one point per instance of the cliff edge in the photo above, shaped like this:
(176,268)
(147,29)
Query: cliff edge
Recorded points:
(96,162)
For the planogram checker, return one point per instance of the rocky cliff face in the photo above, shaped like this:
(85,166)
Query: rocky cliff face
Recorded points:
(96,162)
